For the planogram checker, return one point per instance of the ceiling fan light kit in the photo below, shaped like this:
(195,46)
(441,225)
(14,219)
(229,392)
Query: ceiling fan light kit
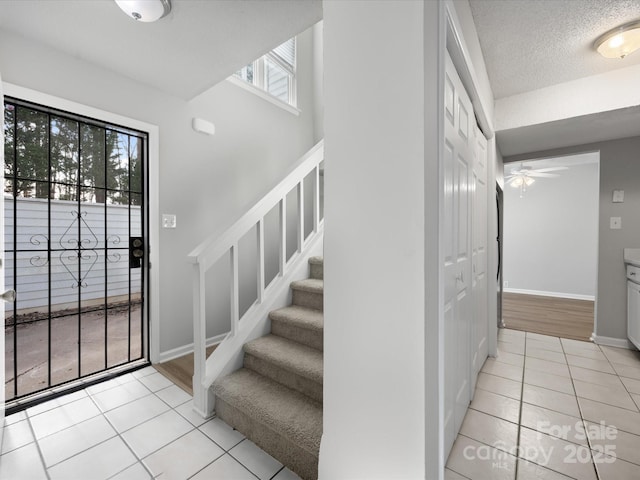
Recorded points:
(523,177)
(620,41)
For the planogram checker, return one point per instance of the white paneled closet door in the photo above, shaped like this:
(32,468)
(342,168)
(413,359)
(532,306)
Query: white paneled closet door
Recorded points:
(480,344)
(458,162)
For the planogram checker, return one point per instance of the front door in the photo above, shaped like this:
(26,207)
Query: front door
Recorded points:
(2,366)
(75,241)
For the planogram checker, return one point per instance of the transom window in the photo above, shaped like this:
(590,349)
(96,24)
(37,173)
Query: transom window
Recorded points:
(274,73)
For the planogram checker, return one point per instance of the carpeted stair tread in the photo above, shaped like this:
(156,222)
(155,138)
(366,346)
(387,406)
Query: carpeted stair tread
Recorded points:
(301,324)
(288,355)
(302,317)
(316,268)
(311,285)
(316,260)
(278,408)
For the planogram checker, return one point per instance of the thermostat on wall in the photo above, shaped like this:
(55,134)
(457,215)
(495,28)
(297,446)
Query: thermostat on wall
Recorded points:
(618,196)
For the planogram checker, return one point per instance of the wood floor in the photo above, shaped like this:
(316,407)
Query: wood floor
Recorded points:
(559,317)
(180,370)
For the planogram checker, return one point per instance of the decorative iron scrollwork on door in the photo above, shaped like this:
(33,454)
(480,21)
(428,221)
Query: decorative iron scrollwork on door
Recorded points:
(76,250)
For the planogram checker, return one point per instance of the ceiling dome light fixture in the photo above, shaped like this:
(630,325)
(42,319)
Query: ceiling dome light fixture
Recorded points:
(145,10)
(619,42)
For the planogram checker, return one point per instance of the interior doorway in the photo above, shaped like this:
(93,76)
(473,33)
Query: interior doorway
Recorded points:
(551,245)
(76,236)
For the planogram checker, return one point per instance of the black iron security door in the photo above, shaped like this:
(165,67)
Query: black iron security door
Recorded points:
(74,203)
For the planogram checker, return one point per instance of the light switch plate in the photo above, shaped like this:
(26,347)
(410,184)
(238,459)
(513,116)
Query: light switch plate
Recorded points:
(618,196)
(615,223)
(168,221)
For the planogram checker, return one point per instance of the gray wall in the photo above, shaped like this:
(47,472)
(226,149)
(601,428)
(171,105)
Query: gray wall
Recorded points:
(208,182)
(619,169)
(551,234)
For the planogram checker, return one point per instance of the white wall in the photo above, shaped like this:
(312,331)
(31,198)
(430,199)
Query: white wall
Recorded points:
(567,100)
(208,182)
(381,141)
(551,233)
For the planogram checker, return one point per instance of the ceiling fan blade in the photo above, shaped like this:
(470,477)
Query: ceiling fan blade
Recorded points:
(550,169)
(542,175)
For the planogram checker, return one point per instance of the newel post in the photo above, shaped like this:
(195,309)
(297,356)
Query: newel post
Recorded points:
(202,398)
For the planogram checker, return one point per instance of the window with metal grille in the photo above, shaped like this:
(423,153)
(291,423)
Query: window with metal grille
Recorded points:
(274,73)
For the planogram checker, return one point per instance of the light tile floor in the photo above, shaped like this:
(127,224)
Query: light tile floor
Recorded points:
(552,409)
(137,426)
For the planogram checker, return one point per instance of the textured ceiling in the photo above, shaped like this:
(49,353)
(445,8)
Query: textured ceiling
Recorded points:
(609,125)
(531,44)
(197,45)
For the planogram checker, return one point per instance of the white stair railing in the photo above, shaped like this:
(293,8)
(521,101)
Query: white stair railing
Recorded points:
(225,356)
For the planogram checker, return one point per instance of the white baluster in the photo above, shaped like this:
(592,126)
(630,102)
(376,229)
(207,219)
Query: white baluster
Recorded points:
(235,293)
(283,235)
(260,228)
(301,215)
(316,198)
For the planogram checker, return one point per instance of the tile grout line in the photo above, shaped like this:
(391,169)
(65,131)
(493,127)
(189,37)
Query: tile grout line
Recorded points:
(546,434)
(194,428)
(524,365)
(629,393)
(37,444)
(582,420)
(103,414)
(118,434)
(571,378)
(623,384)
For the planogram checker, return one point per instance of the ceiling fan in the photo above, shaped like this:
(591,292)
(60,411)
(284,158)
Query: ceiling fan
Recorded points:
(523,177)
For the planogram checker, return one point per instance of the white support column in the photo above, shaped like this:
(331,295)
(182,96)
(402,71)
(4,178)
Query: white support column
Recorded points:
(382,203)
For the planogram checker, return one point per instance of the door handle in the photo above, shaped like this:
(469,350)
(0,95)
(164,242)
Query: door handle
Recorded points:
(9,296)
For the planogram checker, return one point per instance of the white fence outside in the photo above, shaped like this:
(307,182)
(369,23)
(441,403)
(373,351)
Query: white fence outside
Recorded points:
(103,270)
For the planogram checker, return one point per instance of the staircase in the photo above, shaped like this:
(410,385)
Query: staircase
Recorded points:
(275,400)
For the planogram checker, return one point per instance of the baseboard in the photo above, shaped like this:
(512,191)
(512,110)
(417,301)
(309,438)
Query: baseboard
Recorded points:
(612,342)
(186,349)
(573,296)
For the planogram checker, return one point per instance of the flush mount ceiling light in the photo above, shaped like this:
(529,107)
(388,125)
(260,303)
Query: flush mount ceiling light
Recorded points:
(145,10)
(619,42)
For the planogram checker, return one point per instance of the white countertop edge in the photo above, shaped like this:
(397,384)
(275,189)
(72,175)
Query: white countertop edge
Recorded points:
(632,256)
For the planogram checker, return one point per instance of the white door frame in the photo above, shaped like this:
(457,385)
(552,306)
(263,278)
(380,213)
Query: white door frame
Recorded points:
(153,302)
(2,374)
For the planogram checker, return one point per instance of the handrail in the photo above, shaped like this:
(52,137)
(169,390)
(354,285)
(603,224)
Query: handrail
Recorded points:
(207,253)
(216,245)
